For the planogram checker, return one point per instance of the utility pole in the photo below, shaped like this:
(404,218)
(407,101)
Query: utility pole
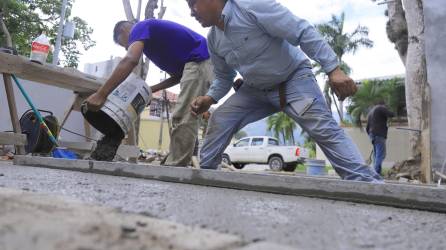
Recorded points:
(59,33)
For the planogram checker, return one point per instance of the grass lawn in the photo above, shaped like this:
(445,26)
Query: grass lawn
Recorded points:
(301,168)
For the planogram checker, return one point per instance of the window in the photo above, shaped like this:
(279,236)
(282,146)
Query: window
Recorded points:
(273,142)
(242,143)
(257,142)
(155,108)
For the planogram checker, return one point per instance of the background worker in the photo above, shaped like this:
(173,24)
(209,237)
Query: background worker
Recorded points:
(377,131)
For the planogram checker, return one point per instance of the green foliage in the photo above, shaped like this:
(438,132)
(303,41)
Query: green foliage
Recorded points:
(282,124)
(310,144)
(342,43)
(240,134)
(392,92)
(27,19)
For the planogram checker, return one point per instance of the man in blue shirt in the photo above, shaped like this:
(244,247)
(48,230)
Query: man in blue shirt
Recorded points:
(268,46)
(179,51)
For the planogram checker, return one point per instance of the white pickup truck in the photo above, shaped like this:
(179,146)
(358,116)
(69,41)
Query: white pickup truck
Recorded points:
(264,150)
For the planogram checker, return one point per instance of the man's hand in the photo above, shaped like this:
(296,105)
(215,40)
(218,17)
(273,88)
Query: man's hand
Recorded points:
(341,84)
(201,104)
(95,101)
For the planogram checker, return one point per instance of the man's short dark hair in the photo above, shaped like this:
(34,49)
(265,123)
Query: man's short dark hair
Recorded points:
(117,29)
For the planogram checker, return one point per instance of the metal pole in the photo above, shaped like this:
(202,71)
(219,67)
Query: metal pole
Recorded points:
(59,33)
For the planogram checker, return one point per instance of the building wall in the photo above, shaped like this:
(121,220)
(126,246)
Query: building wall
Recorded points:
(45,97)
(435,35)
(397,145)
(149,132)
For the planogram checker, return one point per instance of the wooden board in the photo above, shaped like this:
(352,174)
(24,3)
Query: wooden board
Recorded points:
(49,74)
(12,139)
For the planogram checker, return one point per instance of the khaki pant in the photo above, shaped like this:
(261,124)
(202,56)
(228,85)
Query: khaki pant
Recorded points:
(196,81)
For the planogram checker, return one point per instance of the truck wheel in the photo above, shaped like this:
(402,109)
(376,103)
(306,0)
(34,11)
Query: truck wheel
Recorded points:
(225,159)
(276,163)
(238,165)
(290,167)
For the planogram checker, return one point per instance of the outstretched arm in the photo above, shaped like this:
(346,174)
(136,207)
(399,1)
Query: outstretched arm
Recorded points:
(169,82)
(122,71)
(278,21)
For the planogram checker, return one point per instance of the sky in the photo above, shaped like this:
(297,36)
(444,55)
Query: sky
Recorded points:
(381,60)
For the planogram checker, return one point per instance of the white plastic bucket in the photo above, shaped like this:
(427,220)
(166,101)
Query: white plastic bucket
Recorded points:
(122,108)
(127,102)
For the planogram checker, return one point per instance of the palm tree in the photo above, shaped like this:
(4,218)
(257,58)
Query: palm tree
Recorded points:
(390,91)
(342,43)
(282,124)
(240,134)
(310,144)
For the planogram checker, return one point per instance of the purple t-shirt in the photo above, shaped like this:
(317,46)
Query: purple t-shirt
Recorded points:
(169,45)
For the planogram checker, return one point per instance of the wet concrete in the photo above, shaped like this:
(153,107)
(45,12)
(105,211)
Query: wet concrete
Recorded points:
(297,221)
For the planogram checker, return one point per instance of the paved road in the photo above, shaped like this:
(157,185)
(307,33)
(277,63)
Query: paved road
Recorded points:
(305,223)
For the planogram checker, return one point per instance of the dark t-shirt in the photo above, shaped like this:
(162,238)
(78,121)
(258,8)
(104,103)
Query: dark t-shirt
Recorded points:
(169,45)
(377,120)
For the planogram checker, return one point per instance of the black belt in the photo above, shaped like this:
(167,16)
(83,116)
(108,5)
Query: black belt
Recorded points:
(282,95)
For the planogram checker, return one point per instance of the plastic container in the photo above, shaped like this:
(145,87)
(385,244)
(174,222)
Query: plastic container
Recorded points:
(40,48)
(122,108)
(315,167)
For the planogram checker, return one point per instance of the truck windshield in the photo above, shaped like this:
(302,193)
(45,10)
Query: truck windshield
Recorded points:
(242,143)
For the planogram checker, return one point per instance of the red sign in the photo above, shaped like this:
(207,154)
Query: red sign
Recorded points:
(38,47)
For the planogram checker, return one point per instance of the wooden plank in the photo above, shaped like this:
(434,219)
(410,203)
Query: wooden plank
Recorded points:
(12,139)
(49,74)
(13,111)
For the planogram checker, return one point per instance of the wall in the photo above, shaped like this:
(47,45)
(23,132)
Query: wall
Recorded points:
(149,130)
(44,97)
(435,35)
(397,142)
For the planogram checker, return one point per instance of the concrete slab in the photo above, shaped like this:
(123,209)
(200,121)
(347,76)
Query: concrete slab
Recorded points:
(33,221)
(420,197)
(266,246)
(301,222)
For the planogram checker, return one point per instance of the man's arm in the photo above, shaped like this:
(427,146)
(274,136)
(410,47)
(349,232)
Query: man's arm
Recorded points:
(387,112)
(122,71)
(278,21)
(224,76)
(169,82)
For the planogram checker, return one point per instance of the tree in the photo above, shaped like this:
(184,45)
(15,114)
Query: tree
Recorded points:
(282,124)
(390,91)
(143,67)
(309,144)
(240,134)
(342,43)
(27,19)
(405,29)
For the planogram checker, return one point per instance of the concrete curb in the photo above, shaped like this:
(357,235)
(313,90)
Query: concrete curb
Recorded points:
(397,195)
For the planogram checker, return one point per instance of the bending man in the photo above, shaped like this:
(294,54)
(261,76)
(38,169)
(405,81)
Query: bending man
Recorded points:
(180,52)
